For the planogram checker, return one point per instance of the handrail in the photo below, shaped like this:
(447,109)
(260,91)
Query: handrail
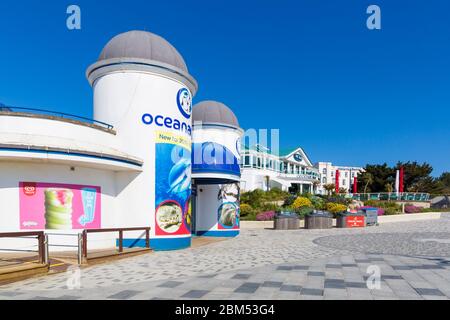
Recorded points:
(42,242)
(61,115)
(120,231)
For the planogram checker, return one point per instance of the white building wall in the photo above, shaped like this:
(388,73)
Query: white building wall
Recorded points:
(328,171)
(14,173)
(37,131)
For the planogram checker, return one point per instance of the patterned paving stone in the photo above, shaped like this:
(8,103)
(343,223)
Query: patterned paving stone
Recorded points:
(195,294)
(248,287)
(356,285)
(300,268)
(124,295)
(291,288)
(334,284)
(316,274)
(284,268)
(312,292)
(328,263)
(429,292)
(272,284)
(170,284)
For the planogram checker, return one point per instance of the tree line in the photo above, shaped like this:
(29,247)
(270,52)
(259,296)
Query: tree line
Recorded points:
(417,178)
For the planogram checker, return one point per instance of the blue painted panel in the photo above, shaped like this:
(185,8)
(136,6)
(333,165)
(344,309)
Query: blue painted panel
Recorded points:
(158,244)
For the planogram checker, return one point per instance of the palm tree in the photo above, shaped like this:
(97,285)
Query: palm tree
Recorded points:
(329,188)
(369,180)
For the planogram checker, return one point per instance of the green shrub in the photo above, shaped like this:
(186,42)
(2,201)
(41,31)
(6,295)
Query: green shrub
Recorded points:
(390,207)
(340,200)
(289,201)
(318,203)
(303,211)
(258,199)
(390,211)
(276,194)
(268,207)
(246,210)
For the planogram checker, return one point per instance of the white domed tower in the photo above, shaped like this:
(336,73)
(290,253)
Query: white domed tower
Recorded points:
(143,88)
(216,170)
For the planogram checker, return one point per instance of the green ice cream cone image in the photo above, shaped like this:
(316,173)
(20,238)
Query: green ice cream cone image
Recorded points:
(58,209)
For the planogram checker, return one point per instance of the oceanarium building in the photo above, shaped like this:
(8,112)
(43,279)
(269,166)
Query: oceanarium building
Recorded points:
(131,167)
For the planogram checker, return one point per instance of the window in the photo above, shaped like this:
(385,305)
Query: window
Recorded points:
(246,161)
(346,174)
(324,171)
(344,182)
(332,173)
(324,180)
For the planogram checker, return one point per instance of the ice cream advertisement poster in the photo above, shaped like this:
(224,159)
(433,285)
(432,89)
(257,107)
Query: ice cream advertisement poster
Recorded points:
(173,185)
(49,206)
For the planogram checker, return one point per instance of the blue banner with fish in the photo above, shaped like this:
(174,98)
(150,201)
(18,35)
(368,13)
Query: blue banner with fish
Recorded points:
(211,157)
(172,186)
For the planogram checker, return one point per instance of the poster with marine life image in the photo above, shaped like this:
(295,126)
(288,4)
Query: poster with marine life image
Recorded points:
(51,206)
(229,210)
(173,184)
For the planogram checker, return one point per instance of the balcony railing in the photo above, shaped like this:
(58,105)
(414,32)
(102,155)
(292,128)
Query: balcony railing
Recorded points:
(409,196)
(8,109)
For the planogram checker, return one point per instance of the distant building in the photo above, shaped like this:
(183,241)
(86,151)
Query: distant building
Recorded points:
(292,171)
(328,176)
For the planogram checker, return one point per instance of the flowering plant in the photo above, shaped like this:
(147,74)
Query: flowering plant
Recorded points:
(266,216)
(301,202)
(412,209)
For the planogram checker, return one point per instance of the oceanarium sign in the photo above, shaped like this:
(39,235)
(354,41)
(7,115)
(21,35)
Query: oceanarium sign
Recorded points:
(167,122)
(184,103)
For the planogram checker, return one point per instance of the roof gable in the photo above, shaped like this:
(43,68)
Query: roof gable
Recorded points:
(299,156)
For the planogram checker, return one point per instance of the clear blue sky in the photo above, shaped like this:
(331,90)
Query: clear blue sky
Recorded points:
(308,67)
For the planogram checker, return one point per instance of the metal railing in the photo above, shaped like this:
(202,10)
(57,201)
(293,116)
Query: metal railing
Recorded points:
(79,244)
(113,230)
(56,114)
(42,243)
(407,196)
(82,241)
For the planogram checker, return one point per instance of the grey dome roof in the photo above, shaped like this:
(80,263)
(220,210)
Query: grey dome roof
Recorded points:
(143,45)
(214,112)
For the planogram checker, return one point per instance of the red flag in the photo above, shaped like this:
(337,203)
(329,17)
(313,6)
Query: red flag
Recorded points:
(402,180)
(338,175)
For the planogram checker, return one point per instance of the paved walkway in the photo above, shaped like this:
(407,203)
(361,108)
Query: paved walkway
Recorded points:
(413,260)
